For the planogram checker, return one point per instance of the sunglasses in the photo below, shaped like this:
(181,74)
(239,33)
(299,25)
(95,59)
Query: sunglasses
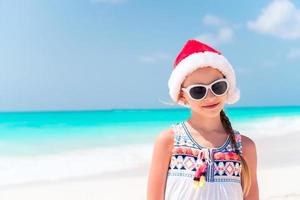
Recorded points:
(198,92)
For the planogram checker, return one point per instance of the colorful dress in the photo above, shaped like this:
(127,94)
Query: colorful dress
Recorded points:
(221,179)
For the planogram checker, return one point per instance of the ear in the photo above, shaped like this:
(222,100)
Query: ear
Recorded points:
(182,98)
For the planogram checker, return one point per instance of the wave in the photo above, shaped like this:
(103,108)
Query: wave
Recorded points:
(268,127)
(23,169)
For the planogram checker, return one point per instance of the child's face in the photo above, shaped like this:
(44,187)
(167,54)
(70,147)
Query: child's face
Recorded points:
(204,75)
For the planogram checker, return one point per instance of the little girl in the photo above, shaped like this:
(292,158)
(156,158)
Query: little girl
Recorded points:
(202,158)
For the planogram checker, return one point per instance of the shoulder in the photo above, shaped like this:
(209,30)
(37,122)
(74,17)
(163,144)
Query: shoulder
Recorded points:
(247,142)
(165,138)
(249,147)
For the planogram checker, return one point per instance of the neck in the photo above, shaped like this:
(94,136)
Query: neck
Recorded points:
(205,124)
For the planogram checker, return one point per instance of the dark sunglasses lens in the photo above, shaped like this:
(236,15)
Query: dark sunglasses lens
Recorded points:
(198,92)
(219,88)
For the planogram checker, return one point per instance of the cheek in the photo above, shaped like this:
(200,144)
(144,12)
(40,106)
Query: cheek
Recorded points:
(222,101)
(223,98)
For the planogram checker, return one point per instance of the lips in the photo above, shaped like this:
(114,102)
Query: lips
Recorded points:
(211,105)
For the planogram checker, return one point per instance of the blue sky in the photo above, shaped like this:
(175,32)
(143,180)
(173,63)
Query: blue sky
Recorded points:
(103,54)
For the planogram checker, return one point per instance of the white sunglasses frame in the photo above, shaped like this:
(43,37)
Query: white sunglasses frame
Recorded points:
(187,89)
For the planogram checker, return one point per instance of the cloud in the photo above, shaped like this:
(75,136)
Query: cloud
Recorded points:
(293,54)
(224,33)
(269,64)
(213,20)
(108,1)
(280,18)
(154,58)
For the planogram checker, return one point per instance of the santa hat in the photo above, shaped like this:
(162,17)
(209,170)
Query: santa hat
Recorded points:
(194,55)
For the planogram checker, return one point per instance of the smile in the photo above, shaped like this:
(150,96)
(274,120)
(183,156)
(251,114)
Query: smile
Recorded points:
(211,106)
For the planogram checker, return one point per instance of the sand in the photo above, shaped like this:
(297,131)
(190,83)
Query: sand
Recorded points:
(278,178)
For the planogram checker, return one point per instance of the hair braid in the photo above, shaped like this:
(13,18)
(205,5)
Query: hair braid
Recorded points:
(245,174)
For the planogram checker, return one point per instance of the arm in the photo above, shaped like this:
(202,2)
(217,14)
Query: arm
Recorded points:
(250,155)
(161,156)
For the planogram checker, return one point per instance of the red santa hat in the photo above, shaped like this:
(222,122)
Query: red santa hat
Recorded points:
(194,55)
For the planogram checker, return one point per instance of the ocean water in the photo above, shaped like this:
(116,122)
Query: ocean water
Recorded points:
(42,146)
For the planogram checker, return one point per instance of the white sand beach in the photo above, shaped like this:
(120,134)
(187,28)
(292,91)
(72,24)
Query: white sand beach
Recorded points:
(278,175)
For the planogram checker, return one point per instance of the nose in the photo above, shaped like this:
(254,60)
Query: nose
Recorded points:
(210,94)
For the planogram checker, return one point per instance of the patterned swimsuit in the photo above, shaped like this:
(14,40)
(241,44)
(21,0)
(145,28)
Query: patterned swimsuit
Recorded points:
(222,174)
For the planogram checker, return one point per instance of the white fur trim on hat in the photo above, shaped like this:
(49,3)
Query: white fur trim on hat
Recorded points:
(198,60)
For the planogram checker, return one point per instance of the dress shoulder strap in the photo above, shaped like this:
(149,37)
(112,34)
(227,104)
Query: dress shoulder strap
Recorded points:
(180,137)
(177,134)
(238,139)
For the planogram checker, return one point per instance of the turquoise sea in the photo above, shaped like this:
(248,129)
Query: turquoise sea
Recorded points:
(38,146)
